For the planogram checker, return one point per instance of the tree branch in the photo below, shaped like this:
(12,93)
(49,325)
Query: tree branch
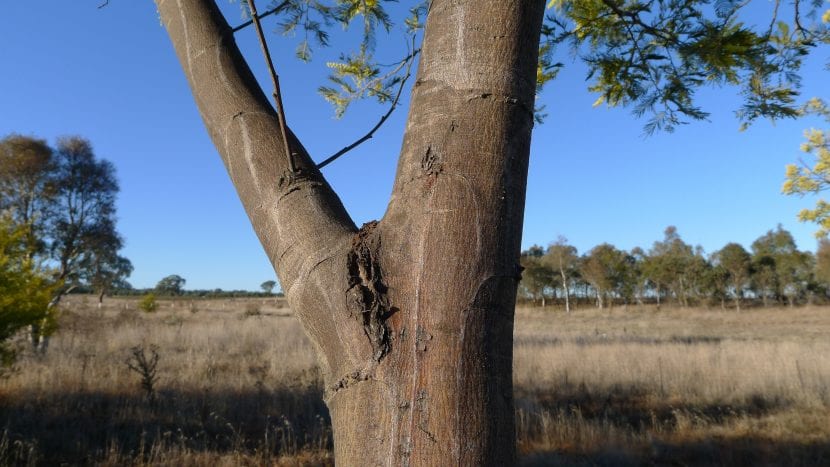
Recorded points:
(294,213)
(409,61)
(268,13)
(275,80)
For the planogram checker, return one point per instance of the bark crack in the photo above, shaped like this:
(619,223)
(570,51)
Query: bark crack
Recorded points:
(366,296)
(348,381)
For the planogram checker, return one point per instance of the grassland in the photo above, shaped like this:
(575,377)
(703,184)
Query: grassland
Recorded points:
(237,385)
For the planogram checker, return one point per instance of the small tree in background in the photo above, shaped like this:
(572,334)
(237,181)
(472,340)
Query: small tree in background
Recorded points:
(171,285)
(103,268)
(537,276)
(564,261)
(148,303)
(268,286)
(737,263)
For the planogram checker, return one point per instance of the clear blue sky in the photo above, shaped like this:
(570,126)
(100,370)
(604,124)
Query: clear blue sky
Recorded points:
(111,76)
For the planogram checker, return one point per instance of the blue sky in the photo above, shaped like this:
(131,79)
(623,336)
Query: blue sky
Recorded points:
(111,76)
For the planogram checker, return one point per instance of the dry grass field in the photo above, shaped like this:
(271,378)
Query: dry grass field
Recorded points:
(237,385)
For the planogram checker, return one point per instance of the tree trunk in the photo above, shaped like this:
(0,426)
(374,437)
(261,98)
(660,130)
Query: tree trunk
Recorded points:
(567,292)
(412,316)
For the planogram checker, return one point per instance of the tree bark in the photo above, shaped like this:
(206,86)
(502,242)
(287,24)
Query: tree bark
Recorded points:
(565,288)
(411,316)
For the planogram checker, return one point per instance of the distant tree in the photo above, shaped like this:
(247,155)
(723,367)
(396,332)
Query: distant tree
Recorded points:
(537,276)
(737,263)
(564,260)
(716,283)
(795,274)
(25,290)
(604,268)
(171,285)
(27,187)
(672,264)
(268,286)
(639,260)
(822,267)
(769,253)
(103,269)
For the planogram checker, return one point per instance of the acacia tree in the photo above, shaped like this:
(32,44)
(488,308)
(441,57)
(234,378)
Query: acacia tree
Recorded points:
(25,289)
(412,315)
(268,286)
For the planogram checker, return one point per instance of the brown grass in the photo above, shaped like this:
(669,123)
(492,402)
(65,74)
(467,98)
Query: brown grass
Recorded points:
(238,386)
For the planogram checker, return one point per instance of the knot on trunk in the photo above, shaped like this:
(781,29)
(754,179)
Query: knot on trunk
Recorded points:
(366,296)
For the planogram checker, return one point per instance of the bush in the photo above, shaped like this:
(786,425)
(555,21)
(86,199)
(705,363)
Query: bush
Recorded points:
(148,303)
(25,291)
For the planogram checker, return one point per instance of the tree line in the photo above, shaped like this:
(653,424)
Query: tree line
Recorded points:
(173,286)
(772,271)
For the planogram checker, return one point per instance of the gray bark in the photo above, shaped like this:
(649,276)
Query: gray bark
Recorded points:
(411,316)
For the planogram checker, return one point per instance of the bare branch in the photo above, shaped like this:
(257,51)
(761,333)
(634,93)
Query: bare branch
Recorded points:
(270,12)
(275,79)
(408,62)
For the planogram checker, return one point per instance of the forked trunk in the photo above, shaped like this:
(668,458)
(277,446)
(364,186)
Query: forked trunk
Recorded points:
(412,316)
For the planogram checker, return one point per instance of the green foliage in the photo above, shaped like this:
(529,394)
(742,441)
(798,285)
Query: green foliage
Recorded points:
(651,55)
(357,75)
(814,177)
(25,291)
(537,276)
(654,55)
(171,285)
(605,268)
(148,303)
(64,199)
(822,266)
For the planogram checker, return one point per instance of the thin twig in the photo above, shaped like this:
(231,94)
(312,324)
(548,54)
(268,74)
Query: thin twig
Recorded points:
(368,136)
(264,15)
(275,79)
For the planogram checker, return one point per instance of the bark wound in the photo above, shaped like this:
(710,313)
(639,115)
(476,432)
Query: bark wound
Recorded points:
(366,296)
(431,162)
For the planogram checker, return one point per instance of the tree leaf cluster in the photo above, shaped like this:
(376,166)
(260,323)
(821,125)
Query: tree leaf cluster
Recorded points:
(811,178)
(654,55)
(357,74)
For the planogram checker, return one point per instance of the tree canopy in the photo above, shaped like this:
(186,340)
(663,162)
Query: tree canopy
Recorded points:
(651,55)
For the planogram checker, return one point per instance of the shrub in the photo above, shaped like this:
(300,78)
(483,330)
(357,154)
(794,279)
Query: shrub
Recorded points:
(148,303)
(25,291)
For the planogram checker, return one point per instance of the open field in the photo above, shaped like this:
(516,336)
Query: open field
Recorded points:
(237,385)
